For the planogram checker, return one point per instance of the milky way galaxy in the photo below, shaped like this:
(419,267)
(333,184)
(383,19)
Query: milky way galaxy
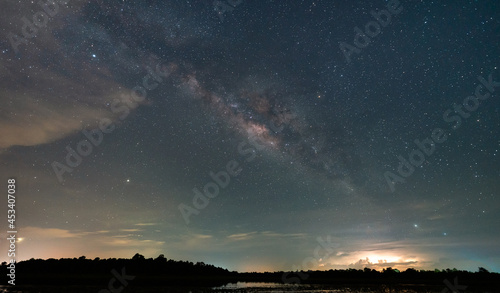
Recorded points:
(116,113)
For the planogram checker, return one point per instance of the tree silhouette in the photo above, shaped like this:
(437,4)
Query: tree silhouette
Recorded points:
(138,256)
(161,272)
(161,258)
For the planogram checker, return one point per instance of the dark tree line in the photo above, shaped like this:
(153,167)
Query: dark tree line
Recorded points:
(480,281)
(159,271)
(163,272)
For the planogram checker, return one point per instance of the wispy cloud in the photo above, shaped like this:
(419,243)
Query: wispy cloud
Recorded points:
(383,263)
(55,242)
(47,96)
(37,233)
(265,234)
(242,236)
(130,230)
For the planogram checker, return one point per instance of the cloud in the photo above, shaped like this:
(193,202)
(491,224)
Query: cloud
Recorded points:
(129,242)
(265,234)
(44,124)
(383,263)
(48,93)
(146,224)
(42,106)
(41,242)
(201,236)
(274,234)
(37,233)
(242,236)
(419,253)
(130,230)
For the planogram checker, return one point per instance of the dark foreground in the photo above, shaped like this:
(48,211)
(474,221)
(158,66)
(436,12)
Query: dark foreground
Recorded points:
(139,275)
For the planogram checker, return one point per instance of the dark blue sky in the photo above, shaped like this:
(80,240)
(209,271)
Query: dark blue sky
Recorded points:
(238,132)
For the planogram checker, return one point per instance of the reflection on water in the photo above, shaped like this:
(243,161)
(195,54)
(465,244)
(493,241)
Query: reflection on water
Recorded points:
(241,285)
(259,287)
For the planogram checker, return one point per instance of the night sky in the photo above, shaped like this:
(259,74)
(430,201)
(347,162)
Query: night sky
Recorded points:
(238,132)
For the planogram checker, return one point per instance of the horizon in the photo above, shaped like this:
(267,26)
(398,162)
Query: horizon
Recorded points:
(252,135)
(382,269)
(308,262)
